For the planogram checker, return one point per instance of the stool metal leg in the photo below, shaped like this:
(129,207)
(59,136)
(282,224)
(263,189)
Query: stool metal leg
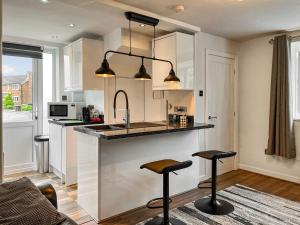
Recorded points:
(166,198)
(212,205)
(165,220)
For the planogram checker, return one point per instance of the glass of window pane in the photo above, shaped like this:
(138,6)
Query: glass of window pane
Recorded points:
(17,88)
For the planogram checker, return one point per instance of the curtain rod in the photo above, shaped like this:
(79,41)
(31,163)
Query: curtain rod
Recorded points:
(271,41)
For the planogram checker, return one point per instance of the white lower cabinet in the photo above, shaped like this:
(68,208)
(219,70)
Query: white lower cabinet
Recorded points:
(63,153)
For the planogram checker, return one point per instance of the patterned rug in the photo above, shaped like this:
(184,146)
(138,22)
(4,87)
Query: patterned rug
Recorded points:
(251,207)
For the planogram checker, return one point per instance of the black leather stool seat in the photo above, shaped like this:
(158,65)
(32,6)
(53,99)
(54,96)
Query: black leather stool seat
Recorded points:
(166,166)
(214,154)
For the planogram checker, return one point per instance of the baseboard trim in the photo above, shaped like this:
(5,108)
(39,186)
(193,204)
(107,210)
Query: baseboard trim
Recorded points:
(270,173)
(8,170)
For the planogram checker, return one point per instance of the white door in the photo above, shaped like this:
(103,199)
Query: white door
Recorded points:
(20,111)
(220,106)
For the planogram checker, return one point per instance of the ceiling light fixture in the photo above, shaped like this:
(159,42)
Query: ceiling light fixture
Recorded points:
(142,25)
(179,8)
(106,71)
(44,1)
(71,25)
(142,74)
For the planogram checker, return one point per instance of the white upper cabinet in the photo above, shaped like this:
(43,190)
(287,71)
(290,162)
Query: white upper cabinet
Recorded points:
(81,59)
(179,49)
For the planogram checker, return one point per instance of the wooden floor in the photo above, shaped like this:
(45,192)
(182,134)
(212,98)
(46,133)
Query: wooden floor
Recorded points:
(269,185)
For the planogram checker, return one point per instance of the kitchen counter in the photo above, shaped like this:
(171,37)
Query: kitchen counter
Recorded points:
(110,156)
(66,123)
(135,131)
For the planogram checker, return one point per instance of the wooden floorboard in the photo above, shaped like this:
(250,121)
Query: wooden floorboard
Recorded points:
(259,182)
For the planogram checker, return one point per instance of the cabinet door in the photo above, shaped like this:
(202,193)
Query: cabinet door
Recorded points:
(68,58)
(185,60)
(55,147)
(165,49)
(77,66)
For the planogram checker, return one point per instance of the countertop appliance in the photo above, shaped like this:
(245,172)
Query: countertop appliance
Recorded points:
(65,110)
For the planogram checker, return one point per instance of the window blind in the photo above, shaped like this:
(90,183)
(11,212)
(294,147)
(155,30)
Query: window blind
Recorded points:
(29,51)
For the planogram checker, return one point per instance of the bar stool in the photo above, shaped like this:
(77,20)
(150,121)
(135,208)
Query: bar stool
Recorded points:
(213,205)
(165,167)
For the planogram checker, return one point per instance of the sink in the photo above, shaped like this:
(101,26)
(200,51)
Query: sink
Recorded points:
(104,128)
(139,125)
(101,128)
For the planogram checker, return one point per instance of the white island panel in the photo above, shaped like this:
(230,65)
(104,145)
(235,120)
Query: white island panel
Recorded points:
(114,170)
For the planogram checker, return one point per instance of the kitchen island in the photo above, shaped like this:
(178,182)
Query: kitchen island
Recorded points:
(110,180)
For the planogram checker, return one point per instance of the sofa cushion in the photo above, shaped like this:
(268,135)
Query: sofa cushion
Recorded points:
(21,203)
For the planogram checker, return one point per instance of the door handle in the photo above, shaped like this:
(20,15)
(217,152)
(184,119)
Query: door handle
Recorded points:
(36,113)
(212,117)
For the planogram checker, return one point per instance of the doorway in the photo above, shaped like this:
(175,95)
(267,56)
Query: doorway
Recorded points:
(221,105)
(20,118)
(28,84)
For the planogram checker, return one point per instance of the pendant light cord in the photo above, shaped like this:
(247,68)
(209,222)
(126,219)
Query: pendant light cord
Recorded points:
(154,42)
(129,37)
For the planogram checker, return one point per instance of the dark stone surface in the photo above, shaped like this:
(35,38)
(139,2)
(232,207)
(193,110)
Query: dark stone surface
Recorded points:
(67,123)
(162,128)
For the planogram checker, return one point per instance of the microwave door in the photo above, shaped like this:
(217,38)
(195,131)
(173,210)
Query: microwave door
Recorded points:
(58,110)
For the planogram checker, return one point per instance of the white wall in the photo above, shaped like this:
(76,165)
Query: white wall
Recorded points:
(255,61)
(207,41)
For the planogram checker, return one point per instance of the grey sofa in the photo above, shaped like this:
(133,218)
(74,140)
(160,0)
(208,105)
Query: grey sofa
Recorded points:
(49,192)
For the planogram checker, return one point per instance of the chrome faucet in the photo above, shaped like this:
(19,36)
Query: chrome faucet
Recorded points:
(127,116)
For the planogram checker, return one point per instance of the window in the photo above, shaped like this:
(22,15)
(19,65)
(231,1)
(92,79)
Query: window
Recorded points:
(295,78)
(15,87)
(48,85)
(15,99)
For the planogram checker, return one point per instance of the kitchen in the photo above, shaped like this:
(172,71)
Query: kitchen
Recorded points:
(151,119)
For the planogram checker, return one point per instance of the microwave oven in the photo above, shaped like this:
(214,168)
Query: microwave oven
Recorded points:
(65,110)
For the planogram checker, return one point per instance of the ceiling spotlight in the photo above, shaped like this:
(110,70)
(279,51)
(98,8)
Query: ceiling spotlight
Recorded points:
(142,25)
(179,8)
(71,25)
(44,1)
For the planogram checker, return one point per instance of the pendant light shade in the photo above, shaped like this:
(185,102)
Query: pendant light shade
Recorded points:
(142,74)
(105,70)
(172,77)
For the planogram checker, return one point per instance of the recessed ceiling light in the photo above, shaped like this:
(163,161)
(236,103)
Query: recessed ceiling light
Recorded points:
(142,25)
(71,25)
(44,1)
(179,8)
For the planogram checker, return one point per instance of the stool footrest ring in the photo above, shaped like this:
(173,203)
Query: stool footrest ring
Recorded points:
(204,182)
(150,205)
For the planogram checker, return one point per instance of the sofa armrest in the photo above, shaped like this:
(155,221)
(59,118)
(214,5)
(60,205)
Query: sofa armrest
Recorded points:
(49,192)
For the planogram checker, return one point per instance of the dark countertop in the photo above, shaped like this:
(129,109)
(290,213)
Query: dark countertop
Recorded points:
(136,132)
(67,123)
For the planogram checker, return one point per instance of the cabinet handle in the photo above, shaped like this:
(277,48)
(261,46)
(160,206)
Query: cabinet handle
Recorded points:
(212,117)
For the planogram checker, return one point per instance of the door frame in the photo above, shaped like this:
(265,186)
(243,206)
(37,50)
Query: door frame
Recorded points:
(35,123)
(235,97)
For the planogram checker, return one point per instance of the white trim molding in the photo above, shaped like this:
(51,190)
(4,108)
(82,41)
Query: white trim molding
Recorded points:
(270,173)
(8,170)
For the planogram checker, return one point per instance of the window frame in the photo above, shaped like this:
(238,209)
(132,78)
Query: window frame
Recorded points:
(16,97)
(13,87)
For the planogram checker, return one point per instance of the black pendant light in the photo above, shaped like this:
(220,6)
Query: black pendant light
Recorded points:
(172,77)
(142,74)
(105,70)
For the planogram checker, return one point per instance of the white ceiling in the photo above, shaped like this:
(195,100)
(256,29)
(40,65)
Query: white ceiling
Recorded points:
(50,22)
(233,19)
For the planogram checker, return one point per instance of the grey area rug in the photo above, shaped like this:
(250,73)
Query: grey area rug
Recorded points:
(251,207)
